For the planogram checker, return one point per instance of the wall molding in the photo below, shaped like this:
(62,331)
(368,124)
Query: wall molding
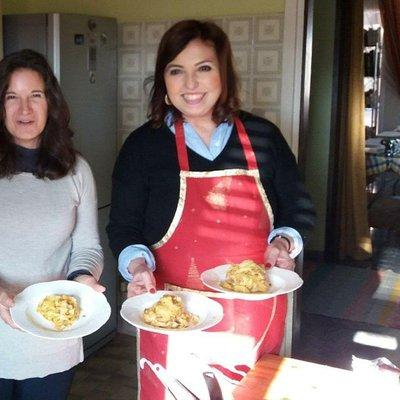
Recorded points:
(292,61)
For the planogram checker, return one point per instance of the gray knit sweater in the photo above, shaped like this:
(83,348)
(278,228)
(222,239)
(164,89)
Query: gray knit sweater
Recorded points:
(48,229)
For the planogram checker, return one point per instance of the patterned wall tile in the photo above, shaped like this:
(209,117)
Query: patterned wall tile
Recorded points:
(272,115)
(242,60)
(239,30)
(245,93)
(130,34)
(265,111)
(150,61)
(130,89)
(266,91)
(267,60)
(268,113)
(268,29)
(130,116)
(130,62)
(153,32)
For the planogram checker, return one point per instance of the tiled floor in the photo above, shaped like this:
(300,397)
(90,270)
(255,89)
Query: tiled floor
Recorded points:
(109,374)
(333,341)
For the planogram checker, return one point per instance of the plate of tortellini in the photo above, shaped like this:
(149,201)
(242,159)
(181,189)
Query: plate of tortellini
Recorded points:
(248,280)
(171,312)
(60,310)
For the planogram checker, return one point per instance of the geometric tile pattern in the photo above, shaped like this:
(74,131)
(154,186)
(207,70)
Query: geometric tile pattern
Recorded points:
(257,49)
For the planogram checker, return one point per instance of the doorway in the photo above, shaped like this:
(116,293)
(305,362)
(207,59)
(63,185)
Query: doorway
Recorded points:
(349,307)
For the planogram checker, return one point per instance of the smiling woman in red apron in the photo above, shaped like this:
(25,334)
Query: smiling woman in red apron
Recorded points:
(200,186)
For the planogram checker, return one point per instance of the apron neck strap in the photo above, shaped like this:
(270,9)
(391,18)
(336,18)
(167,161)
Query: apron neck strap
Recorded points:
(243,137)
(181,146)
(247,147)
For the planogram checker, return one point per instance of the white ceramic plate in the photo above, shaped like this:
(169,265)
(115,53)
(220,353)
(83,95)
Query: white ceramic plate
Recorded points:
(95,310)
(282,281)
(209,311)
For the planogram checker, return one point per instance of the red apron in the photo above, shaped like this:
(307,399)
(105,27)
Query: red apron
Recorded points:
(222,217)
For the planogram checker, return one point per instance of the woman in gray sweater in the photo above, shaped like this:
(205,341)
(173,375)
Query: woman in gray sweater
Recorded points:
(48,222)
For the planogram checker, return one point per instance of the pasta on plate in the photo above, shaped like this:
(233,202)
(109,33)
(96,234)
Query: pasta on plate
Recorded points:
(60,309)
(246,277)
(169,312)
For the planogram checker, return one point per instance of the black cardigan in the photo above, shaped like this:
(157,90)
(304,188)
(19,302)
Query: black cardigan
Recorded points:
(146,181)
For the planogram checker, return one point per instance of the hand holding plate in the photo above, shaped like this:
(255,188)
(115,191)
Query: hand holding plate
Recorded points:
(277,255)
(6,302)
(142,278)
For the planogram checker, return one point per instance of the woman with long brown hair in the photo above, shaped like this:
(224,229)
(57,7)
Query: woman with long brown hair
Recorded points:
(200,185)
(48,222)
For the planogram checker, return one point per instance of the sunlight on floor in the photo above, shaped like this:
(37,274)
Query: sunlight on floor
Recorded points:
(375,340)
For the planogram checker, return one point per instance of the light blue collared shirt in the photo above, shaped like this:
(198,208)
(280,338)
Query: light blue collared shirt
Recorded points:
(218,141)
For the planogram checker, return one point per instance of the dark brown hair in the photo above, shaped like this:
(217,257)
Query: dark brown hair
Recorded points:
(56,152)
(172,43)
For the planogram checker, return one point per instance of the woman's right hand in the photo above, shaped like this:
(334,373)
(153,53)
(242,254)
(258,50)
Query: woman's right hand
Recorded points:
(5,303)
(143,278)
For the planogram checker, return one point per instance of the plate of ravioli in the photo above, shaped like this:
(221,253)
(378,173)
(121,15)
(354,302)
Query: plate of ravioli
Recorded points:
(60,310)
(170,312)
(248,280)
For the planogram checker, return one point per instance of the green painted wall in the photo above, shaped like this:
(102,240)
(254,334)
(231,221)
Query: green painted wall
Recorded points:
(320,115)
(133,10)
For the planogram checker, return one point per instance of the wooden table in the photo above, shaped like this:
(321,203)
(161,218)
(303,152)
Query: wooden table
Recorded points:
(278,378)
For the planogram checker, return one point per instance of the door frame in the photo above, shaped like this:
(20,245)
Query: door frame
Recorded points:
(296,68)
(293,72)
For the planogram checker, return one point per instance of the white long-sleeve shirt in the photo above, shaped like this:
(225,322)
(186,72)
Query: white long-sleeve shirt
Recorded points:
(48,229)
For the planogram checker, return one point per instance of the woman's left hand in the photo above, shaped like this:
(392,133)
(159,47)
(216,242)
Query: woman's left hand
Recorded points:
(277,255)
(89,280)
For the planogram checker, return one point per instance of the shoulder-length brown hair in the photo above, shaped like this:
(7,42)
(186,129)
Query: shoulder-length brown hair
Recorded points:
(172,43)
(56,152)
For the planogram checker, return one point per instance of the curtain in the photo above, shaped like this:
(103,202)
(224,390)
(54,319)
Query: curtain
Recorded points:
(390,14)
(1,30)
(355,240)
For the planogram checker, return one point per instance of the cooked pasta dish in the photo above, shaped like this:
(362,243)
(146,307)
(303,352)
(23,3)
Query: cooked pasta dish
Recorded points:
(246,277)
(169,312)
(60,309)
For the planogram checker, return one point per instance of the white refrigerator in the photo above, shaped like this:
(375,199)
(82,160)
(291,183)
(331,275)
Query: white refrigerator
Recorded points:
(82,51)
